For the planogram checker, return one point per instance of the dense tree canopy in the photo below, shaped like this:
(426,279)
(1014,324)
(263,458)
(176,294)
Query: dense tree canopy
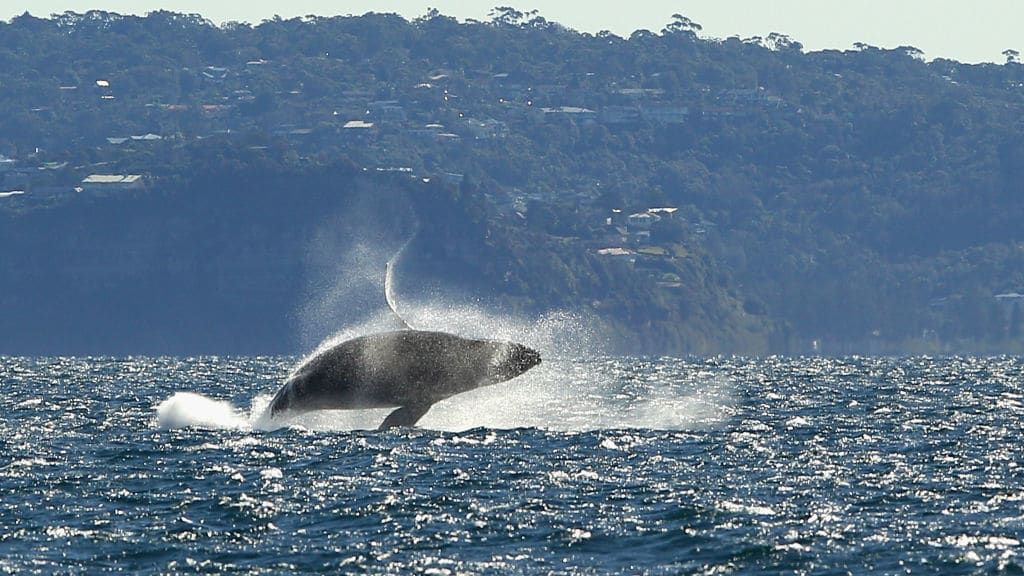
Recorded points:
(866,199)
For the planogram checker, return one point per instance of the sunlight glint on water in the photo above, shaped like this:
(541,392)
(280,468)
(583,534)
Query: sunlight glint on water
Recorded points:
(659,466)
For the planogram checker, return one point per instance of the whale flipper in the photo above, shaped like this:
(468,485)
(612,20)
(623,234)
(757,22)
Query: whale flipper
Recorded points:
(405,416)
(389,295)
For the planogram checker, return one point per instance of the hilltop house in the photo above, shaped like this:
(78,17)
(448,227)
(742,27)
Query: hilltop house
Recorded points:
(110,183)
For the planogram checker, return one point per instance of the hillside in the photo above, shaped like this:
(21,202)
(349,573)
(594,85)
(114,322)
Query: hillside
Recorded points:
(694,196)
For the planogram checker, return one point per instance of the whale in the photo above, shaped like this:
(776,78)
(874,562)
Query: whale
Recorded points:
(409,370)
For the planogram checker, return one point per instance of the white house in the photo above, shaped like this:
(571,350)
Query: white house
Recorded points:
(112,182)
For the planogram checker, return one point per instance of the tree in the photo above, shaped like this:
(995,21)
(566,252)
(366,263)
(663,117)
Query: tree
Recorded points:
(682,25)
(506,16)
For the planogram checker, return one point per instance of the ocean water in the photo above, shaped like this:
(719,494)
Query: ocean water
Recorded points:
(588,465)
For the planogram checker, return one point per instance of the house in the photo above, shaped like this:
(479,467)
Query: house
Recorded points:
(386,110)
(359,130)
(215,72)
(623,256)
(358,125)
(665,212)
(428,132)
(641,92)
(615,252)
(486,129)
(214,109)
(1011,304)
(107,183)
(575,112)
(643,220)
(750,97)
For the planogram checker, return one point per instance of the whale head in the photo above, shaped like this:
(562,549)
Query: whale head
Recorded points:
(513,360)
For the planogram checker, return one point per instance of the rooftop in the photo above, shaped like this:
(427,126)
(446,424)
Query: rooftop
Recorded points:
(112,178)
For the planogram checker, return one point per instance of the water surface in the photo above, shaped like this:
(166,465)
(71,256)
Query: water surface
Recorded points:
(627,465)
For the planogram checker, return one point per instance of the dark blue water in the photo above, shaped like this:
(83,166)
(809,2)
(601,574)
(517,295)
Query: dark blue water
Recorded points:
(619,465)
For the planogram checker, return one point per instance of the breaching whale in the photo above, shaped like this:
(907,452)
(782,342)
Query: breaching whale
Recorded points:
(405,369)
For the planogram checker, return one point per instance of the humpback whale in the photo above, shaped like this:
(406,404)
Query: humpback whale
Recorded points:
(407,369)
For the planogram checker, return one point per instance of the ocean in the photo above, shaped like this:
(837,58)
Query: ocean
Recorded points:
(586,465)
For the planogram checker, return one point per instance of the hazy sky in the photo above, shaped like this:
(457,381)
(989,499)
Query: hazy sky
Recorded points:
(969,31)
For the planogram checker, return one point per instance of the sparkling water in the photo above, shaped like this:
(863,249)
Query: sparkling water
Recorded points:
(583,465)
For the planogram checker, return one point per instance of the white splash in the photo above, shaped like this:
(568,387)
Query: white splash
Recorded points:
(187,409)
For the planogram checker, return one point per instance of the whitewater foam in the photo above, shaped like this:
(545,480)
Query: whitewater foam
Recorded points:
(188,409)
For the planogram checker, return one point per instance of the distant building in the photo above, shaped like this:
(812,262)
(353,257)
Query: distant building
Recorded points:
(386,110)
(574,112)
(667,211)
(214,109)
(357,125)
(486,129)
(105,183)
(1011,304)
(641,92)
(643,220)
(624,256)
(215,72)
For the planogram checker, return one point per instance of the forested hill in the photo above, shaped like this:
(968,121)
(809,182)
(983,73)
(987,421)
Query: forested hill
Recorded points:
(687,195)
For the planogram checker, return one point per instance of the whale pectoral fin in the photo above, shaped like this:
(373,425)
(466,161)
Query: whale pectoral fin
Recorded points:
(405,416)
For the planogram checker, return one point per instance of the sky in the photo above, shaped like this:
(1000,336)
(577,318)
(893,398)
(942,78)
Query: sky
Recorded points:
(968,31)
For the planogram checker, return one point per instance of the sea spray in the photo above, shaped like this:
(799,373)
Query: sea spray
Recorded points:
(574,389)
(188,409)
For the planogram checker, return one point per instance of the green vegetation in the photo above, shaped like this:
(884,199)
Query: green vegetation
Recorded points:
(857,201)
